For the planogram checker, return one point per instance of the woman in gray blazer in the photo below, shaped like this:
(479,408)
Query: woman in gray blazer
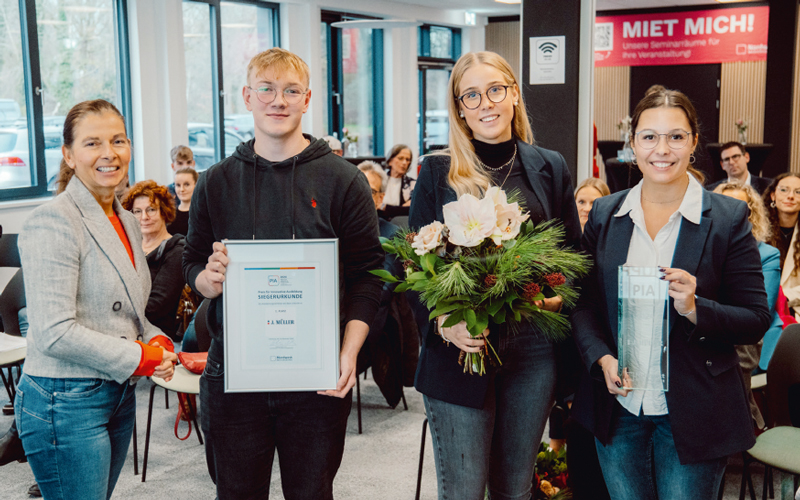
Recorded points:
(87,284)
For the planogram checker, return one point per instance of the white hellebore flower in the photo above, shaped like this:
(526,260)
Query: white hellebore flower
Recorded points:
(428,238)
(509,216)
(469,220)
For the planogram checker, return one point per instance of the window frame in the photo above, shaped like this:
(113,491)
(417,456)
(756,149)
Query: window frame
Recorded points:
(426,62)
(336,75)
(32,76)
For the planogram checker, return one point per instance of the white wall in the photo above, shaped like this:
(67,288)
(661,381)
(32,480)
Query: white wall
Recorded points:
(158,80)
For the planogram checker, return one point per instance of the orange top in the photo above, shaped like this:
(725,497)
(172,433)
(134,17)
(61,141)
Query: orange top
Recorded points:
(122,235)
(151,356)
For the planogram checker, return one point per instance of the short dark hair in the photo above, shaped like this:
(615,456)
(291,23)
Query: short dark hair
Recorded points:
(733,144)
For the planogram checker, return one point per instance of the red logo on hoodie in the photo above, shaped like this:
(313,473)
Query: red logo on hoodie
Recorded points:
(313,203)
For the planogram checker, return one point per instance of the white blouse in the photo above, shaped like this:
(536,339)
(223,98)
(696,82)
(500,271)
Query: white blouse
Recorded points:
(646,252)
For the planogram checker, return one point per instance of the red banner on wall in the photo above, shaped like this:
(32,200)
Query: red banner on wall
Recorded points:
(691,37)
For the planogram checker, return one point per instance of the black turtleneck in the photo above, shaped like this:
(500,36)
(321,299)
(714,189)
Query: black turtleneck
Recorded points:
(510,177)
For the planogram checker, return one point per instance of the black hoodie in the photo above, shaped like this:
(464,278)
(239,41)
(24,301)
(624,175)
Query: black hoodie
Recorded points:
(315,194)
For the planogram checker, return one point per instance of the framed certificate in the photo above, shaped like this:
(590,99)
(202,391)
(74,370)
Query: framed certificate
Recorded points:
(281,315)
(643,339)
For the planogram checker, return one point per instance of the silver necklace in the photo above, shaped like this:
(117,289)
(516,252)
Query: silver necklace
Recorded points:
(501,167)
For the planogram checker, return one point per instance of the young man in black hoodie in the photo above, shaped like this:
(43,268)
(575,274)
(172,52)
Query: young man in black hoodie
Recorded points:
(282,184)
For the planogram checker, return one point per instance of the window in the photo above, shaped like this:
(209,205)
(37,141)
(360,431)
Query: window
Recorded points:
(53,55)
(216,72)
(353,98)
(439,48)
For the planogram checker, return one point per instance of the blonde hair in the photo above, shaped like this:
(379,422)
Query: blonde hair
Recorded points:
(280,61)
(758,213)
(466,173)
(181,152)
(593,182)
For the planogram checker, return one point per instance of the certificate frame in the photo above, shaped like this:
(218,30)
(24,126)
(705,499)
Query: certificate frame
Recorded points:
(281,315)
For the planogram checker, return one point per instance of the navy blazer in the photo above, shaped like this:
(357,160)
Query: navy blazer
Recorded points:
(708,406)
(438,372)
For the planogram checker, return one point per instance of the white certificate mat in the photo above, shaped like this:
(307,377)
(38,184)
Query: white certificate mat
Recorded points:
(281,307)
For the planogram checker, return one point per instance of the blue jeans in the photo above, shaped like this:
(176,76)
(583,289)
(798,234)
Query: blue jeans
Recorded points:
(76,433)
(189,342)
(243,430)
(641,463)
(498,443)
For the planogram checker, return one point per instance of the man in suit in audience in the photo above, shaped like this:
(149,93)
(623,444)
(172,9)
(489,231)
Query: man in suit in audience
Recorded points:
(734,159)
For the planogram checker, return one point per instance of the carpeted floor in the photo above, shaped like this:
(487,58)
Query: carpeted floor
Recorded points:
(381,463)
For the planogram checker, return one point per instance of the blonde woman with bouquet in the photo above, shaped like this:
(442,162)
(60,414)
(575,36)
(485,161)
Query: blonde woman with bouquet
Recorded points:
(485,429)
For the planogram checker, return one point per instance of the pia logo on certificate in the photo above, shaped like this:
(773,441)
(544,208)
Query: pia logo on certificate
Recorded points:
(274,280)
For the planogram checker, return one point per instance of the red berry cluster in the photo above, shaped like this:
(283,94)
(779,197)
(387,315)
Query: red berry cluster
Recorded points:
(530,292)
(490,280)
(554,279)
(410,237)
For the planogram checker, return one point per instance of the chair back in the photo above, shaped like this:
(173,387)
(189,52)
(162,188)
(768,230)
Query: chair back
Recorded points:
(11,301)
(400,221)
(9,253)
(783,374)
(201,327)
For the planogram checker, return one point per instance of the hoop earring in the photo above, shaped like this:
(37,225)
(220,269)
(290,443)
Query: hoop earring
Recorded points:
(772,205)
(692,159)
(634,161)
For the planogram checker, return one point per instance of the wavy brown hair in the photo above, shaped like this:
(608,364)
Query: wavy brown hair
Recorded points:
(776,236)
(759,219)
(75,115)
(158,196)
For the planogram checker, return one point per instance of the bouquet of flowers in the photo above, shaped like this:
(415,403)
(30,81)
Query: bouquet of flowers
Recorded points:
(488,263)
(741,125)
(551,474)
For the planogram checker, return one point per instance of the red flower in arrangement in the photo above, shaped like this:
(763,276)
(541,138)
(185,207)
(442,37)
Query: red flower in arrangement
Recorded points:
(555,279)
(560,480)
(531,291)
(490,280)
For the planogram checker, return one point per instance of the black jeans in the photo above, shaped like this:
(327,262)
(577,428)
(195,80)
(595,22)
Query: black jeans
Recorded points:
(243,430)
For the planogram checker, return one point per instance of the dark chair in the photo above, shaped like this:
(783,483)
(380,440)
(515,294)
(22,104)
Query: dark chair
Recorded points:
(12,300)
(777,448)
(421,457)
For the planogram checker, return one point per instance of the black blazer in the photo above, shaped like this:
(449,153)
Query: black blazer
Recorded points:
(438,372)
(760,184)
(708,407)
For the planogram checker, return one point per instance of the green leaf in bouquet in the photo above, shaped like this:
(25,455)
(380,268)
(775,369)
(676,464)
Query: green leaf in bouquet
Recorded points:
(482,321)
(454,319)
(384,275)
(511,298)
(442,309)
(517,315)
(402,287)
(470,318)
(420,286)
(495,304)
(428,262)
(419,275)
(500,316)
(388,247)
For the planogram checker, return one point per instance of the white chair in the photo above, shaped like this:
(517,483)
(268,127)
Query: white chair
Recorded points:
(183,381)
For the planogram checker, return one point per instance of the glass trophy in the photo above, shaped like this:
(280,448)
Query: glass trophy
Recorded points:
(643,340)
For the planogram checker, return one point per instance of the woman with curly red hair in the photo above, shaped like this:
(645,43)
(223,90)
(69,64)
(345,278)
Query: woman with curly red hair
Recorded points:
(154,208)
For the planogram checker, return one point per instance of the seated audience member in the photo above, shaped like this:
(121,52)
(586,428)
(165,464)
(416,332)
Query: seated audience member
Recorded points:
(185,181)
(153,207)
(783,196)
(377,182)
(397,197)
(770,264)
(181,157)
(585,194)
(335,145)
(734,159)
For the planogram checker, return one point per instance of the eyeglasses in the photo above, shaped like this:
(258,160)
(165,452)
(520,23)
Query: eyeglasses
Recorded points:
(292,95)
(496,94)
(785,191)
(150,211)
(375,192)
(676,139)
(731,159)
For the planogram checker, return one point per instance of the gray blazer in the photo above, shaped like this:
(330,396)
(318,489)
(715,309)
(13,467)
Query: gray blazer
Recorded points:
(86,301)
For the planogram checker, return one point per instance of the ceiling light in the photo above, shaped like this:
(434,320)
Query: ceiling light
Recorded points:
(508,1)
(377,24)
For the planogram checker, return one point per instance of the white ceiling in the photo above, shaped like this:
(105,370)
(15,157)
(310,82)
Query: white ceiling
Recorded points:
(492,8)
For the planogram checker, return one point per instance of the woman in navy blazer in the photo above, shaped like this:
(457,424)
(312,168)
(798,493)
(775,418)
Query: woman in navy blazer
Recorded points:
(675,448)
(486,429)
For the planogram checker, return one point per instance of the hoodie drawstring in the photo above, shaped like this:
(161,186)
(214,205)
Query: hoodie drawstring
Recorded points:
(294,164)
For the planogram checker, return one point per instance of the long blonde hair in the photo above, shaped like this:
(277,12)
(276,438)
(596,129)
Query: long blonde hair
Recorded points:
(759,219)
(466,173)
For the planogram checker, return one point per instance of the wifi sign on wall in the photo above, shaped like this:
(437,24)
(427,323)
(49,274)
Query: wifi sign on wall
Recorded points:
(547,60)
